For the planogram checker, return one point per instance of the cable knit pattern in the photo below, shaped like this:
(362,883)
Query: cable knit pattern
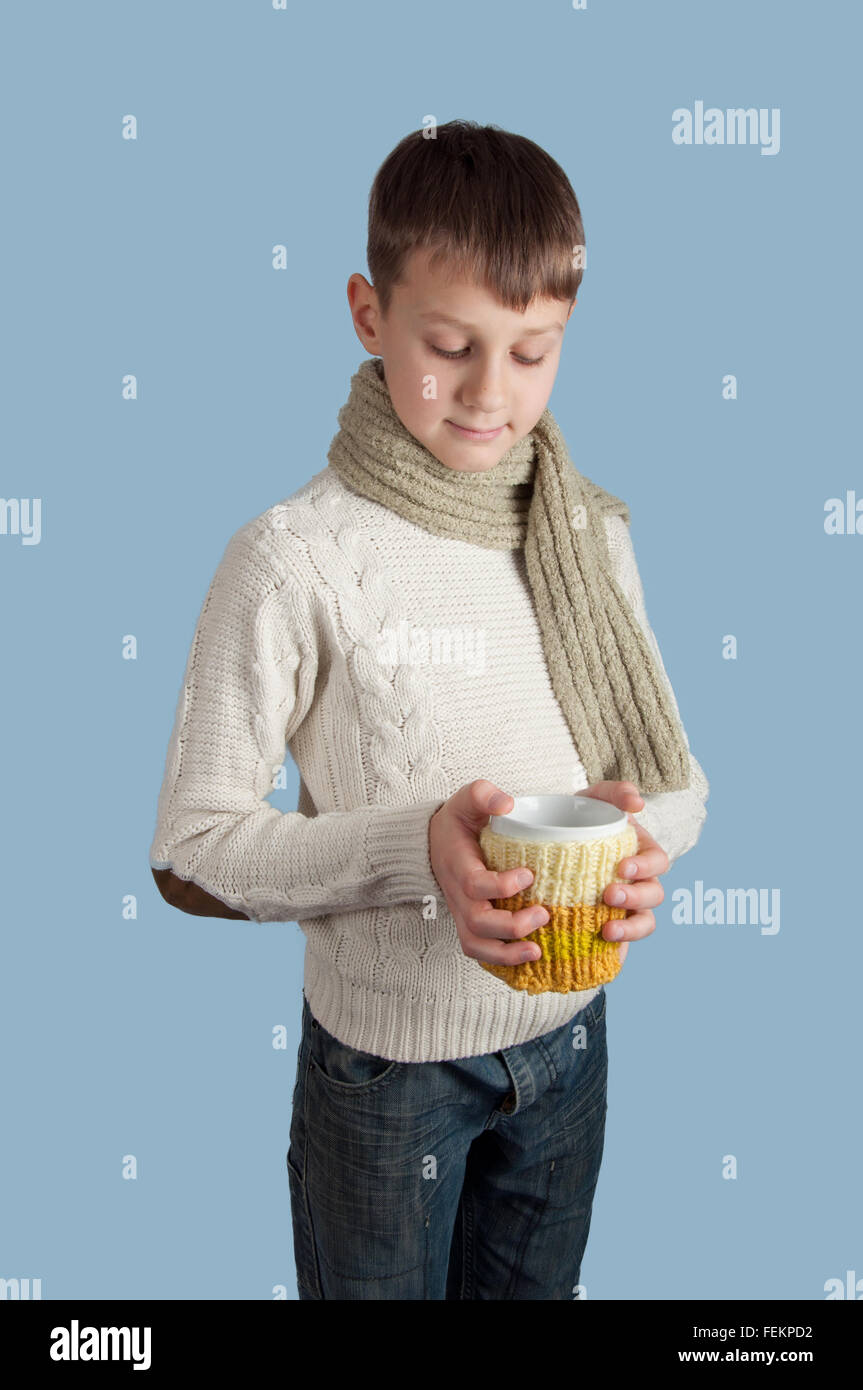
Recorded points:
(290,653)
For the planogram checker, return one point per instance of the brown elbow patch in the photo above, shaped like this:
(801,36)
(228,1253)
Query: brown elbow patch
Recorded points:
(190,897)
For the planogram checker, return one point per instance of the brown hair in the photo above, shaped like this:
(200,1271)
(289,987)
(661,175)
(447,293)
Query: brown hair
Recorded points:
(494,205)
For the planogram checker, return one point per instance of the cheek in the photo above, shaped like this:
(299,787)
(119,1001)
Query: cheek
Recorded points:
(416,407)
(536,395)
(414,379)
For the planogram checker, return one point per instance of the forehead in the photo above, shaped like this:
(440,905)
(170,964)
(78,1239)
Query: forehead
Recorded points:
(445,293)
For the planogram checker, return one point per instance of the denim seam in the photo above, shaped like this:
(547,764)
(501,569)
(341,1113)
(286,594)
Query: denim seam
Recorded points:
(526,1239)
(318,1289)
(467,1273)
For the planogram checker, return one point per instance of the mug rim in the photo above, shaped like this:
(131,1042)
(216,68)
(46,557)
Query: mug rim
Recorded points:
(599,819)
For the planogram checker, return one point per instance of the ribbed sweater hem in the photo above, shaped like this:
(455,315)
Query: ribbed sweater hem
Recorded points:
(442,1030)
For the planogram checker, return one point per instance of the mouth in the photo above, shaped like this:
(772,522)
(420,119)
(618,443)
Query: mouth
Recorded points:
(479,435)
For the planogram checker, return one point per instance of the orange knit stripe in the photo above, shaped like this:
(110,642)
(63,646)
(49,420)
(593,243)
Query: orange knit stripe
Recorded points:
(579,917)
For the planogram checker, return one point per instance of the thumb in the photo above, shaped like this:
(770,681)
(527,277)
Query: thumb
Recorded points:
(484,799)
(617,793)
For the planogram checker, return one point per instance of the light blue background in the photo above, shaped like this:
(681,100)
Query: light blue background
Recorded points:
(153,1036)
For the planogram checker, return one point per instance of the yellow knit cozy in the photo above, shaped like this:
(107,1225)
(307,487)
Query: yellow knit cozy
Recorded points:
(569,880)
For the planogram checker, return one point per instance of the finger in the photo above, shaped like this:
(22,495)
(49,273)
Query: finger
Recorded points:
(490,940)
(500,952)
(633,927)
(481,799)
(647,893)
(617,793)
(478,882)
(647,865)
(649,859)
(496,924)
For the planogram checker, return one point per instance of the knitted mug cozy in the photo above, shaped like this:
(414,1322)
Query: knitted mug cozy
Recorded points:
(570,878)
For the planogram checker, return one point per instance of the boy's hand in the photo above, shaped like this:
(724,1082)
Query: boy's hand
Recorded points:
(643,891)
(492,934)
(485,932)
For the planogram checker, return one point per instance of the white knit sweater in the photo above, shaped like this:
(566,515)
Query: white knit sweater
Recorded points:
(395,666)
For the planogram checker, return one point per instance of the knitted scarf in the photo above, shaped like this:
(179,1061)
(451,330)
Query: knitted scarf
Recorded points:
(621,716)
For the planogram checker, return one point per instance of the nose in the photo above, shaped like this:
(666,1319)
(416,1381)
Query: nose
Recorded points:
(483,388)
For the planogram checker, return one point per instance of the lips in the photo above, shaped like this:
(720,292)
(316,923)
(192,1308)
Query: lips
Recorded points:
(472,433)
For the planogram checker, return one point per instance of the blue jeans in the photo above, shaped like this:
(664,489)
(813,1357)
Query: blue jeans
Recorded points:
(465,1179)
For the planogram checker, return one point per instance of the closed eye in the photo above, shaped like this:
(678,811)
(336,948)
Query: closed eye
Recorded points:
(523,361)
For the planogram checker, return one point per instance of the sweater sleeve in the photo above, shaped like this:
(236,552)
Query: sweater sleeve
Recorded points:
(674,819)
(248,684)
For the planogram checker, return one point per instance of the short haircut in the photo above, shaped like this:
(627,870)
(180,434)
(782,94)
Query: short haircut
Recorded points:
(494,205)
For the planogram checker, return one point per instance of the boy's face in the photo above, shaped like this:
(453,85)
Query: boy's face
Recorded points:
(488,387)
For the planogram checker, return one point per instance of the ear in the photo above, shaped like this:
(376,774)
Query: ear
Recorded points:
(365,312)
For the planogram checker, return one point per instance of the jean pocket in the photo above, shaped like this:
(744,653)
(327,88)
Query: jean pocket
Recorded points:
(346,1068)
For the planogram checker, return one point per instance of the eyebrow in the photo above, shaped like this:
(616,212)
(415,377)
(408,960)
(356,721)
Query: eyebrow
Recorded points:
(458,323)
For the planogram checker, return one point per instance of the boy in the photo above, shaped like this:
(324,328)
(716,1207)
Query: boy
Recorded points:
(447,1130)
